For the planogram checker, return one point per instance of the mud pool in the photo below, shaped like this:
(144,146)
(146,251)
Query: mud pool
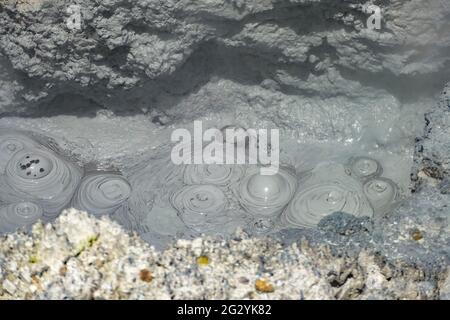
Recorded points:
(43,174)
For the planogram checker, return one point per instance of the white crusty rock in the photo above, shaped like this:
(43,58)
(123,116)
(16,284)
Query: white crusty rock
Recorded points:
(80,257)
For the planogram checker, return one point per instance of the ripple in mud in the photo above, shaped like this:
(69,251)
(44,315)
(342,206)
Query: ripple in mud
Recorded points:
(19,215)
(101,193)
(382,193)
(223,175)
(10,144)
(364,168)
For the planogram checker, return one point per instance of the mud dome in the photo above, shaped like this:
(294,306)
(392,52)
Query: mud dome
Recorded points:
(87,114)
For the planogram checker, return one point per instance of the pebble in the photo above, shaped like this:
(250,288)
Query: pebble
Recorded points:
(264,286)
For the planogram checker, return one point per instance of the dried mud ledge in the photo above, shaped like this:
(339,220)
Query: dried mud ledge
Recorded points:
(160,53)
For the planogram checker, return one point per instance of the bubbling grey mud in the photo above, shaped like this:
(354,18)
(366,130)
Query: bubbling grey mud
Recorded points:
(214,199)
(40,175)
(38,181)
(162,201)
(170,201)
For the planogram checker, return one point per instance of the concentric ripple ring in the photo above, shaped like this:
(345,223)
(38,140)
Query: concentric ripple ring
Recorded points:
(222,175)
(382,194)
(42,177)
(10,144)
(324,190)
(19,215)
(364,168)
(312,204)
(101,194)
(199,205)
